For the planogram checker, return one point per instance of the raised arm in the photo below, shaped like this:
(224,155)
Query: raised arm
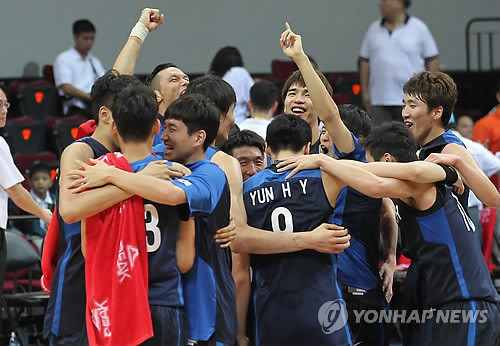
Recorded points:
(149,20)
(324,105)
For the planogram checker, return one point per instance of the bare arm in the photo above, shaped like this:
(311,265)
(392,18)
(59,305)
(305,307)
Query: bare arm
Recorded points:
(364,77)
(389,232)
(75,207)
(70,90)
(184,247)
(241,276)
(471,174)
(432,65)
(324,105)
(127,59)
(23,199)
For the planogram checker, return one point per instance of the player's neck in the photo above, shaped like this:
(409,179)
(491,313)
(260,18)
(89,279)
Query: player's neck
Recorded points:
(315,134)
(435,132)
(262,115)
(135,151)
(283,154)
(195,157)
(102,137)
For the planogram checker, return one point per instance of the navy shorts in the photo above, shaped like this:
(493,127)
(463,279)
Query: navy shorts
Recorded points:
(169,326)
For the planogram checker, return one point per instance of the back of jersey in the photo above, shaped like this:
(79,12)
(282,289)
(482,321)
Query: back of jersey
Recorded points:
(290,288)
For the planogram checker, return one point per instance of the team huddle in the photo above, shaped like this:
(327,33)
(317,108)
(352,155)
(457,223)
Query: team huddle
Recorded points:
(274,245)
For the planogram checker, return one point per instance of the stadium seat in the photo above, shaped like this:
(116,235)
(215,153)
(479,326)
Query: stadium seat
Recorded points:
(38,100)
(20,300)
(65,130)
(282,69)
(25,161)
(48,74)
(349,85)
(25,135)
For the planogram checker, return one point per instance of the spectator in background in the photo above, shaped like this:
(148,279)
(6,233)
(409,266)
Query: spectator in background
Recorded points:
(228,65)
(40,182)
(10,187)
(76,69)
(464,124)
(263,103)
(393,49)
(487,129)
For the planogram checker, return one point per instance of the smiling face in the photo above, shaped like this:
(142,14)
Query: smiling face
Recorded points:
(173,83)
(3,108)
(298,102)
(418,118)
(179,144)
(251,160)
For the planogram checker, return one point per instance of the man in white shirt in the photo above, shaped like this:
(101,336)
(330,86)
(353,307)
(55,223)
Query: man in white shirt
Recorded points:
(76,69)
(10,186)
(263,103)
(393,49)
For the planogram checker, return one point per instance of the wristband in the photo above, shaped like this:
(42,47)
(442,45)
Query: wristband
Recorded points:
(451,175)
(140,31)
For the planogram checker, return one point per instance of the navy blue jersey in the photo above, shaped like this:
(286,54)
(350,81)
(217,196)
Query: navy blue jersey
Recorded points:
(360,214)
(447,263)
(436,146)
(209,291)
(66,308)
(290,288)
(162,229)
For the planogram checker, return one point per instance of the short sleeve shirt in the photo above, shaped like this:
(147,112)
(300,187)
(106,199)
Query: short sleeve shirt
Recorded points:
(9,176)
(394,57)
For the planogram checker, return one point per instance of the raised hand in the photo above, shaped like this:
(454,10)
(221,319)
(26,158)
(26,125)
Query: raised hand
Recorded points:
(291,43)
(151,18)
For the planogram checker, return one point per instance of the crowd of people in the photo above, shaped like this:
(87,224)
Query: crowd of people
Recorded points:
(278,230)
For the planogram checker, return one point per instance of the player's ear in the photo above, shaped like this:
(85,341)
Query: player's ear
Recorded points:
(268,151)
(159,96)
(201,137)
(307,148)
(387,157)
(105,115)
(437,113)
(156,127)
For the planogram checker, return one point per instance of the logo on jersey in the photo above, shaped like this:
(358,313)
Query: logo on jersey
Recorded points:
(126,260)
(332,316)
(184,181)
(100,318)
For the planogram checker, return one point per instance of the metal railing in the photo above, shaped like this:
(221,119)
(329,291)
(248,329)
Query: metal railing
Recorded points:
(479,35)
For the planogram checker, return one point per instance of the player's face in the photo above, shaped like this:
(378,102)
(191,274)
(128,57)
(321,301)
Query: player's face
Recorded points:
(3,108)
(417,117)
(41,183)
(326,143)
(84,42)
(251,160)
(178,142)
(173,83)
(465,125)
(226,123)
(298,102)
